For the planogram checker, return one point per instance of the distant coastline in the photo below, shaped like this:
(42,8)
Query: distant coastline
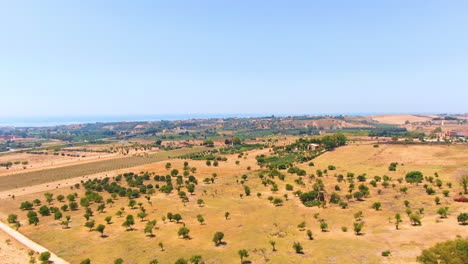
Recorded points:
(72,120)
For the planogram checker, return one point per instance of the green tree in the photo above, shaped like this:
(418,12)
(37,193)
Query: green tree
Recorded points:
(358,227)
(129,222)
(376,206)
(149,227)
(100,228)
(448,252)
(397,220)
(44,257)
(243,254)
(462,218)
(183,231)
(297,247)
(414,177)
(118,261)
(323,226)
(90,225)
(86,261)
(12,218)
(226,215)
(195,259)
(181,261)
(309,234)
(218,237)
(200,219)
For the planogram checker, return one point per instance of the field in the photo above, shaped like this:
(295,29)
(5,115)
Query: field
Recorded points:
(254,220)
(400,119)
(36,177)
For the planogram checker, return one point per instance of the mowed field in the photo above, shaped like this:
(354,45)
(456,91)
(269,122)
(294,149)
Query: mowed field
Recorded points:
(36,177)
(400,119)
(254,221)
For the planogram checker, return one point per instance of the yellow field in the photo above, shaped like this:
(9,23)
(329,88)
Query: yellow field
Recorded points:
(254,221)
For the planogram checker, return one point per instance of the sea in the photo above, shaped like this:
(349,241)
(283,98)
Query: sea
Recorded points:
(48,121)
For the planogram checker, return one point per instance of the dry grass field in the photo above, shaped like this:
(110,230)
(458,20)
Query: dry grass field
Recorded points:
(254,221)
(12,252)
(400,119)
(19,180)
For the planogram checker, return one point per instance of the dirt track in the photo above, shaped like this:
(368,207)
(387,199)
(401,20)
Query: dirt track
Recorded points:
(30,244)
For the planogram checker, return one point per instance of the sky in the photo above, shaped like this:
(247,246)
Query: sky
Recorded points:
(121,58)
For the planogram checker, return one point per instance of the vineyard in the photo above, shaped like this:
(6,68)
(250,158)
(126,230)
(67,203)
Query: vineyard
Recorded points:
(49,175)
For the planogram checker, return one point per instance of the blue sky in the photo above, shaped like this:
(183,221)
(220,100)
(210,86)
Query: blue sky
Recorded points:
(60,58)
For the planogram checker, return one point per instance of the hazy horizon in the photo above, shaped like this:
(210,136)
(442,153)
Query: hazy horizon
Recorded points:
(40,121)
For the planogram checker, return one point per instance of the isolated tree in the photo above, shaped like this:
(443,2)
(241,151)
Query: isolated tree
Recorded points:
(407,203)
(129,222)
(297,247)
(243,254)
(376,206)
(218,237)
(100,228)
(323,226)
(462,218)
(118,261)
(12,218)
(44,257)
(161,245)
(195,259)
(309,234)
(154,261)
(108,219)
(177,217)
(443,212)
(90,225)
(301,225)
(415,219)
(142,215)
(200,219)
(200,202)
(358,227)
(183,231)
(273,244)
(397,220)
(226,215)
(149,227)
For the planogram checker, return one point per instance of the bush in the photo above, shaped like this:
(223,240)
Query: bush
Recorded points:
(452,251)
(386,253)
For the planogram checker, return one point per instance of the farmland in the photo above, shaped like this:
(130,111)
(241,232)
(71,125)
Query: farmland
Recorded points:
(20,180)
(254,220)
